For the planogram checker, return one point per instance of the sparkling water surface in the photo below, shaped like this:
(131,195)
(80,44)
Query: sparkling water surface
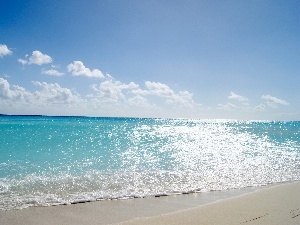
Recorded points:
(60,160)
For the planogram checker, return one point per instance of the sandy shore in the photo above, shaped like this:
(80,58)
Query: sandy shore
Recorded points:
(278,204)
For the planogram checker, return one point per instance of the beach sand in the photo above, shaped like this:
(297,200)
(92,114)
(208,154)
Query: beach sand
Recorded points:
(279,204)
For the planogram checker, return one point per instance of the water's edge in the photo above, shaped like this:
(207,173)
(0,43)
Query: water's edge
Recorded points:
(188,199)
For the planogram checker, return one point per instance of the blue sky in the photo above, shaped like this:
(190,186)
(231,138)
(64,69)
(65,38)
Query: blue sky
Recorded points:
(194,59)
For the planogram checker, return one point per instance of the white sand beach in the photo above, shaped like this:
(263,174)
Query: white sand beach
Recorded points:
(279,204)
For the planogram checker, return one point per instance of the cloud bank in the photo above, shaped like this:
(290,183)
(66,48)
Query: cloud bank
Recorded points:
(241,104)
(110,97)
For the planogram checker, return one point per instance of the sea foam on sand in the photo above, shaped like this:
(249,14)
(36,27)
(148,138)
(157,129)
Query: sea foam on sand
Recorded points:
(279,204)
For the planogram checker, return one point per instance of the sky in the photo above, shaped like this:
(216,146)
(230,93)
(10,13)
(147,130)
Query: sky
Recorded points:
(197,59)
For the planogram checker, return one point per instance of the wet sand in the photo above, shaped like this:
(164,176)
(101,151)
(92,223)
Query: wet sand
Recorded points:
(279,204)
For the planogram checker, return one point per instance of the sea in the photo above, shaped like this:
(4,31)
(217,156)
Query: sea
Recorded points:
(47,160)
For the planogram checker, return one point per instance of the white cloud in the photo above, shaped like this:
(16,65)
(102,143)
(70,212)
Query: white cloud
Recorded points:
(36,58)
(54,93)
(4,51)
(181,99)
(159,89)
(49,94)
(13,93)
(78,69)
(273,101)
(129,99)
(237,97)
(52,72)
(112,89)
(5,91)
(228,107)
(49,99)
(260,107)
(138,101)
(23,61)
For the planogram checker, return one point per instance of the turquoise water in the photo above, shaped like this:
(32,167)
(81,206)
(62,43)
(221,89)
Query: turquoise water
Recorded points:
(61,160)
